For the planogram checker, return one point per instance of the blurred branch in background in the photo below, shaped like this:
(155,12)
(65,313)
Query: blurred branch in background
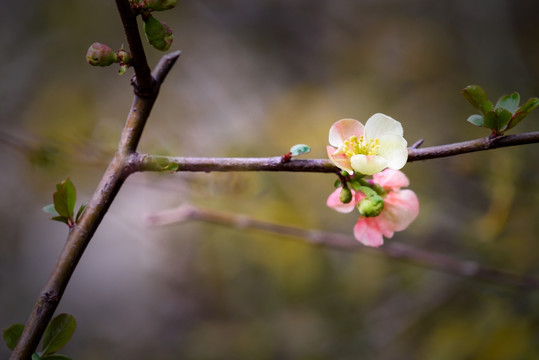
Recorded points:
(394,250)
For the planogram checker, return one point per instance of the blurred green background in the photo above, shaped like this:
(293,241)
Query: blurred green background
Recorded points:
(254,78)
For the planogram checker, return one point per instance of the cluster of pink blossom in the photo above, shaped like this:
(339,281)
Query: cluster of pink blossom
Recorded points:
(376,149)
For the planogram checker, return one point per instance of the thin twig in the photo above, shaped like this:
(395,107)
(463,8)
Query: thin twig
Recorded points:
(144,83)
(146,162)
(393,250)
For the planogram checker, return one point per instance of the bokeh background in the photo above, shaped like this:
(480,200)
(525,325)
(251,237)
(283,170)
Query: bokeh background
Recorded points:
(254,78)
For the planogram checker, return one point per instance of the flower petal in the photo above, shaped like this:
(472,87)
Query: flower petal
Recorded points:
(335,203)
(343,129)
(400,209)
(340,160)
(366,231)
(368,164)
(393,148)
(391,179)
(380,124)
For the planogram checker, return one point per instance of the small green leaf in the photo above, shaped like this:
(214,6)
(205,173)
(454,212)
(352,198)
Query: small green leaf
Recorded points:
(61,219)
(56,357)
(35,356)
(50,209)
(529,106)
(522,112)
(64,198)
(509,102)
(497,119)
(58,333)
(12,335)
(476,119)
(299,149)
(477,97)
(81,211)
(157,33)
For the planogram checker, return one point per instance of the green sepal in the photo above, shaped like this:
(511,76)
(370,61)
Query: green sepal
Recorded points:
(372,204)
(509,102)
(12,335)
(58,333)
(355,184)
(523,111)
(337,183)
(478,98)
(299,149)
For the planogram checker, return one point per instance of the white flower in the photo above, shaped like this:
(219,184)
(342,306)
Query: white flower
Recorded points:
(367,149)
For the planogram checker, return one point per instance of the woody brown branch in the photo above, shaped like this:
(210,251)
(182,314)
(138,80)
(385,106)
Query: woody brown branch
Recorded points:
(146,162)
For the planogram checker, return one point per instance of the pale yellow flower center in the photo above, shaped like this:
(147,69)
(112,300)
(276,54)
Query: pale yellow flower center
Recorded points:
(361,146)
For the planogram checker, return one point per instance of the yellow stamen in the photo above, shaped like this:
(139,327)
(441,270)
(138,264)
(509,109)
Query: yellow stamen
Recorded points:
(354,146)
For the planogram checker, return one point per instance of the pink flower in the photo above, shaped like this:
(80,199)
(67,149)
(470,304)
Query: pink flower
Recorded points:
(367,149)
(401,207)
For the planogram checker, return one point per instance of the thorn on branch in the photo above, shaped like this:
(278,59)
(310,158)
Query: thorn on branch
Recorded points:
(417,144)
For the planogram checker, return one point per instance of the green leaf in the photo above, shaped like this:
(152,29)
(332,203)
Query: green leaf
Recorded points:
(58,333)
(50,209)
(81,211)
(522,112)
(299,149)
(35,356)
(476,119)
(64,198)
(56,357)
(61,219)
(12,335)
(477,97)
(497,119)
(509,102)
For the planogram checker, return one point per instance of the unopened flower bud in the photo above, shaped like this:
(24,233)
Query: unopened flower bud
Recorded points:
(345,196)
(100,55)
(158,34)
(159,5)
(372,204)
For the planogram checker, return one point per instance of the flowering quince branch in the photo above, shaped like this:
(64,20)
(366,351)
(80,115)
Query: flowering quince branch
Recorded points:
(342,242)
(147,162)
(375,149)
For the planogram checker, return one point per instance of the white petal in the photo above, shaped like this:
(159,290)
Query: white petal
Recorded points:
(380,124)
(393,149)
(368,164)
(343,129)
